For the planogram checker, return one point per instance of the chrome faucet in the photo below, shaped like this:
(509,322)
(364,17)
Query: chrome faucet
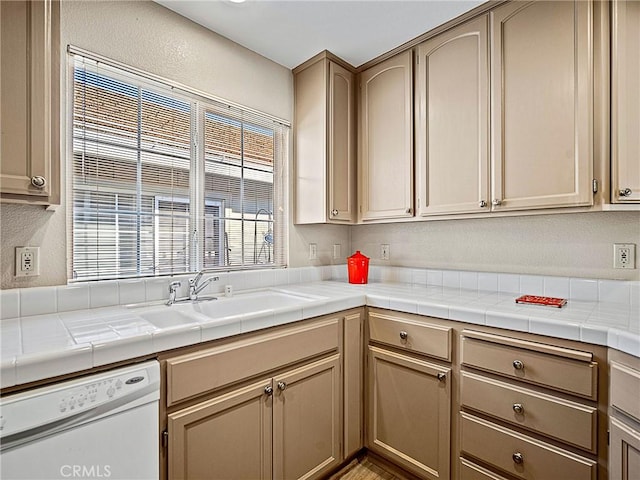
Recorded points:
(173,290)
(195,287)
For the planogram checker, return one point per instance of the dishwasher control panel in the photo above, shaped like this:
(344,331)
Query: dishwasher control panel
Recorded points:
(98,394)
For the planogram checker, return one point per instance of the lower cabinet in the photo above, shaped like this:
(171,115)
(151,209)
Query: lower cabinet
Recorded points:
(624,451)
(285,427)
(624,420)
(409,412)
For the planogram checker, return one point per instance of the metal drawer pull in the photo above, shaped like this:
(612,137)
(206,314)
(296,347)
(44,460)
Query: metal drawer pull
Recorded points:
(626,192)
(404,335)
(268,390)
(282,385)
(334,212)
(518,408)
(518,458)
(441,376)
(496,202)
(482,204)
(38,181)
(518,364)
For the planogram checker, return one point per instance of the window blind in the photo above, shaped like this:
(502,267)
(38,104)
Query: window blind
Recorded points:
(164,182)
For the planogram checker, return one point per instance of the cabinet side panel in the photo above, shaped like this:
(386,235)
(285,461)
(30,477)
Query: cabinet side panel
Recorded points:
(310,143)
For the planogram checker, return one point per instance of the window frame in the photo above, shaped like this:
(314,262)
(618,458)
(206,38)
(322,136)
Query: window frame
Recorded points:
(201,104)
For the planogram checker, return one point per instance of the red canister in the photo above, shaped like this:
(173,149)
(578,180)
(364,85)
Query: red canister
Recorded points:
(358,266)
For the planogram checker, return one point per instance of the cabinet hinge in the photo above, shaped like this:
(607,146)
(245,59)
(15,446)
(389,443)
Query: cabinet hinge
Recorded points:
(595,186)
(165,439)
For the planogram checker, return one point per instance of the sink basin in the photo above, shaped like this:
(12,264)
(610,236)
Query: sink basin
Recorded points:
(247,303)
(165,317)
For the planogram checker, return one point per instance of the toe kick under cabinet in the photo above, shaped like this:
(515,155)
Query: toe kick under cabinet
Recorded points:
(258,406)
(528,410)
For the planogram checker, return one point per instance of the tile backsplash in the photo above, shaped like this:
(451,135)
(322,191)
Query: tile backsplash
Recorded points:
(81,296)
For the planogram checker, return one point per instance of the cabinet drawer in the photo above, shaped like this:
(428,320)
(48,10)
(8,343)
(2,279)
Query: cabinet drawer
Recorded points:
(432,340)
(554,367)
(625,389)
(520,455)
(192,374)
(471,471)
(562,419)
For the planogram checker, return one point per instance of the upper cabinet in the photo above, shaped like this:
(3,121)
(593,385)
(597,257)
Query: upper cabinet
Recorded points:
(386,139)
(452,97)
(29,100)
(542,105)
(325,154)
(625,102)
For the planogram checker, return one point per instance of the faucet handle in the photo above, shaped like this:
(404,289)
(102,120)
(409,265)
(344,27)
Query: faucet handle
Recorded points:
(194,281)
(173,286)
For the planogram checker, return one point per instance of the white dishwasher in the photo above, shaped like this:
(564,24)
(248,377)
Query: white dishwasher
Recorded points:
(99,426)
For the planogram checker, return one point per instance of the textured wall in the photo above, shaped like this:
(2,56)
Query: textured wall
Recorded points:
(152,38)
(577,244)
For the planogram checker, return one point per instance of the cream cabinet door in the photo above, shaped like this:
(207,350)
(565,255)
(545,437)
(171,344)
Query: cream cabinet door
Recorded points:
(307,420)
(625,102)
(453,121)
(324,143)
(386,139)
(409,412)
(27,92)
(228,437)
(542,98)
(342,145)
(624,452)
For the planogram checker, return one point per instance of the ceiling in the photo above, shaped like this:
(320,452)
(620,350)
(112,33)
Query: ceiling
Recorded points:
(292,31)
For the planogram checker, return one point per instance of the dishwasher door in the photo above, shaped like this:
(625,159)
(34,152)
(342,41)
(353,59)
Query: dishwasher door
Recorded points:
(100,426)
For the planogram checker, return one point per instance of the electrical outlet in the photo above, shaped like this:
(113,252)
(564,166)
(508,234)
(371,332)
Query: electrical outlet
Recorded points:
(313,251)
(27,261)
(384,251)
(336,251)
(624,255)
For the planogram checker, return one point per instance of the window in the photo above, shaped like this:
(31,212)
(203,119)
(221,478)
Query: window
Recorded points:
(164,181)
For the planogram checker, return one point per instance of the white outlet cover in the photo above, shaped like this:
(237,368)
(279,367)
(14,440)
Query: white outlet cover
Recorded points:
(27,261)
(336,251)
(624,255)
(313,251)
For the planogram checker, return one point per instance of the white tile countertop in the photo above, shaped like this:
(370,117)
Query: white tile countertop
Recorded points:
(41,346)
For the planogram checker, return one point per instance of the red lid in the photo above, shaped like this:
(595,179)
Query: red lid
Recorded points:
(358,256)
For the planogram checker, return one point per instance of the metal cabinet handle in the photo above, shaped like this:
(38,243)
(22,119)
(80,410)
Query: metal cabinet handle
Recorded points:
(282,386)
(482,204)
(518,458)
(268,390)
(441,376)
(518,408)
(495,202)
(404,335)
(334,212)
(38,181)
(518,364)
(408,210)
(626,192)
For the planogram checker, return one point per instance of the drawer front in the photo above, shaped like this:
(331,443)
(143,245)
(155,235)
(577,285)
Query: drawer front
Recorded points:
(625,389)
(553,371)
(471,471)
(196,373)
(432,340)
(562,419)
(519,455)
